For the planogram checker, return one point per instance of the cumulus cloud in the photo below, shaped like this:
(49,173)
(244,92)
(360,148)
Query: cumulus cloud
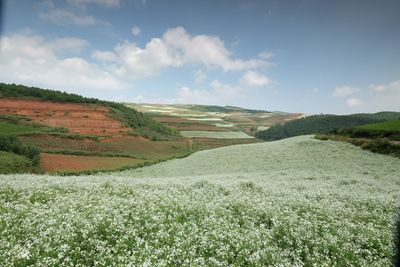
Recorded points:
(265,55)
(136,30)
(254,79)
(105,3)
(71,15)
(216,93)
(382,97)
(393,86)
(353,102)
(65,17)
(29,59)
(199,76)
(71,44)
(177,48)
(344,91)
(106,56)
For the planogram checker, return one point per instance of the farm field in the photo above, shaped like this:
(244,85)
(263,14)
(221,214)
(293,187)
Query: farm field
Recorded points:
(214,118)
(293,202)
(392,125)
(60,162)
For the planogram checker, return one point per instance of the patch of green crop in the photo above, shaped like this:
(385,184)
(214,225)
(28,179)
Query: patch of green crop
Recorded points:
(20,129)
(393,125)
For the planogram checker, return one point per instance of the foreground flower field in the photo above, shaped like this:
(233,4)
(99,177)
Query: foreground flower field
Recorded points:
(294,202)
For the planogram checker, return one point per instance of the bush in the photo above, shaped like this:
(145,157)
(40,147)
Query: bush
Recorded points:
(11,143)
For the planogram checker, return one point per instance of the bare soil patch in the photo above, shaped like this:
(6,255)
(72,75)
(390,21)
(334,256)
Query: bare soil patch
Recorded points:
(77,118)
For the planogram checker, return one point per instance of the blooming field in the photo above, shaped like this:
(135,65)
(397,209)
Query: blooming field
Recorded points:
(294,202)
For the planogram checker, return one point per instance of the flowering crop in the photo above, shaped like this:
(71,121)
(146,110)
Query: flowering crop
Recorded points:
(293,202)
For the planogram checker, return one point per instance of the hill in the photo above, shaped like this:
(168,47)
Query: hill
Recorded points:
(383,137)
(141,123)
(214,122)
(74,133)
(294,202)
(322,124)
(79,134)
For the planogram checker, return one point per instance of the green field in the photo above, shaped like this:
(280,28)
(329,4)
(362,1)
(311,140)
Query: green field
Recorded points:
(295,202)
(13,163)
(16,129)
(393,125)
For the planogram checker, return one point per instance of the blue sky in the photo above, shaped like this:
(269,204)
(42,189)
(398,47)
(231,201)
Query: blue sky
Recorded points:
(307,56)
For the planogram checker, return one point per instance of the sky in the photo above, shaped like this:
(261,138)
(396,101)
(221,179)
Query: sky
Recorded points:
(309,56)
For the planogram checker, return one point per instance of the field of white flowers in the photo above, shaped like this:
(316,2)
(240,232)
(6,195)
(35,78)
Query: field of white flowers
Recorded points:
(294,202)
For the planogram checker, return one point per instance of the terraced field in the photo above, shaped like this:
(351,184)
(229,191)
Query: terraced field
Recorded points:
(294,202)
(214,118)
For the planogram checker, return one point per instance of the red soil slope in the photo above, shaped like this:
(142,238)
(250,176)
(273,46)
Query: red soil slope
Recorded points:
(77,118)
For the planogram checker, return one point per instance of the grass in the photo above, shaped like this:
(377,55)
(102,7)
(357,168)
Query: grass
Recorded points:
(393,125)
(13,163)
(20,129)
(296,202)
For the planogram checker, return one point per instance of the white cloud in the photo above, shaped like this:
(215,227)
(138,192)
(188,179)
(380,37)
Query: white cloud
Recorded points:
(254,79)
(353,102)
(105,3)
(106,56)
(65,17)
(265,55)
(383,97)
(217,93)
(177,48)
(343,91)
(393,86)
(29,59)
(199,76)
(71,44)
(314,91)
(136,30)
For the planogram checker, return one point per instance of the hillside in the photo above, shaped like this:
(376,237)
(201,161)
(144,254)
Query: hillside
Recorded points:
(322,124)
(140,123)
(74,133)
(393,125)
(294,202)
(383,137)
(214,126)
(79,134)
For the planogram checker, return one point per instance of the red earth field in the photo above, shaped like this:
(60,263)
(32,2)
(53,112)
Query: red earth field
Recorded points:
(77,118)
(60,162)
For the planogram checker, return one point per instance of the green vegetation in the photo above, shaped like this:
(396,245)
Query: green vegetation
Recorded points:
(20,158)
(140,122)
(13,163)
(393,125)
(23,129)
(383,138)
(322,124)
(295,202)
